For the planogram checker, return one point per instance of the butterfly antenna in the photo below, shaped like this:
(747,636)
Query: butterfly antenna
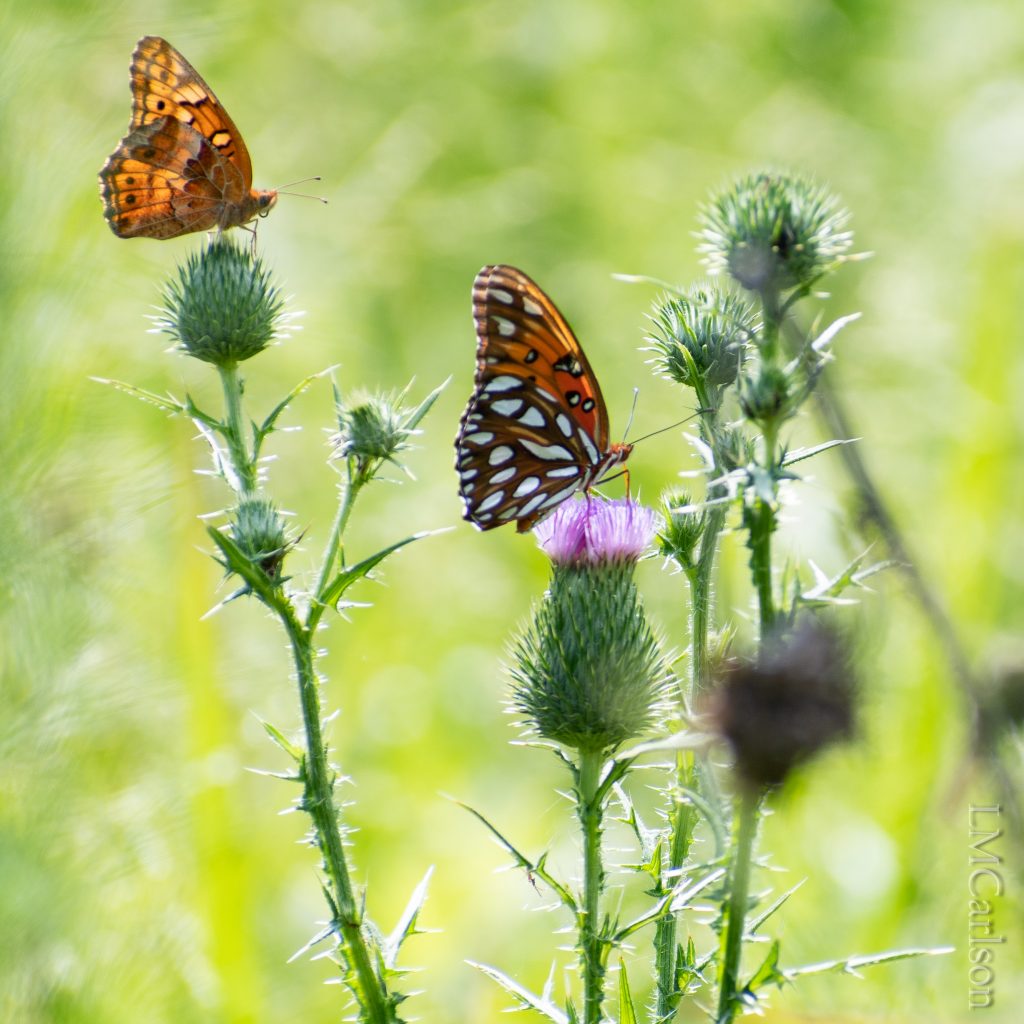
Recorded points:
(632,413)
(671,426)
(300,195)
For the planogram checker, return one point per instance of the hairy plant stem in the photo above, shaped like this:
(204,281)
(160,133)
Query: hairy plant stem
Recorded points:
(318,777)
(745,832)
(240,460)
(318,802)
(592,944)
(684,818)
(357,480)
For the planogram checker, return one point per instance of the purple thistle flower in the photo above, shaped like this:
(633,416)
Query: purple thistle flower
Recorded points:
(595,531)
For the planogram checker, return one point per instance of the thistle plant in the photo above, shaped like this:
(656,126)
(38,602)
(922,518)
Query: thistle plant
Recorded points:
(223,309)
(589,676)
(776,236)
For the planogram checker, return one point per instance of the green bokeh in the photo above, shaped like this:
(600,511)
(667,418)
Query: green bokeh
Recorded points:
(145,876)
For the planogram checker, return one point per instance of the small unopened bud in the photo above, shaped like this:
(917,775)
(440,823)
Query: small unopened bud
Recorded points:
(589,672)
(683,529)
(372,428)
(770,396)
(797,698)
(258,529)
(222,308)
(774,231)
(699,338)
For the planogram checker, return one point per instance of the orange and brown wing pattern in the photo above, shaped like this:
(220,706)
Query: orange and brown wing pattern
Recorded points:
(536,428)
(183,166)
(164,84)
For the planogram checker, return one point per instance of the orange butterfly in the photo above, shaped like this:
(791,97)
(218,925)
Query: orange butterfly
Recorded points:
(183,166)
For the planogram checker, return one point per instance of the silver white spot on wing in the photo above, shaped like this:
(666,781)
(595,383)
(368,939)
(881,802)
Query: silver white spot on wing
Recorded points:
(503,296)
(506,328)
(491,501)
(503,382)
(533,417)
(500,454)
(592,453)
(479,437)
(531,506)
(503,475)
(548,452)
(563,471)
(531,307)
(564,424)
(557,499)
(507,406)
(526,486)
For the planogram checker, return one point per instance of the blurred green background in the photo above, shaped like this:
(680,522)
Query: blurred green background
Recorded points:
(145,876)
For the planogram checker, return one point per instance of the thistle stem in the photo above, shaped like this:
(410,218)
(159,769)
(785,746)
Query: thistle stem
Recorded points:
(240,459)
(355,483)
(736,911)
(318,801)
(592,945)
(684,817)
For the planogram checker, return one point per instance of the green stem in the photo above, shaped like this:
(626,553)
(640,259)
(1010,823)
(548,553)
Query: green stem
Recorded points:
(760,522)
(319,803)
(592,944)
(684,818)
(736,911)
(700,600)
(234,433)
(355,483)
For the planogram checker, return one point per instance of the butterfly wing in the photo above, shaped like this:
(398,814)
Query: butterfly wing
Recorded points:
(536,428)
(164,84)
(163,180)
(183,166)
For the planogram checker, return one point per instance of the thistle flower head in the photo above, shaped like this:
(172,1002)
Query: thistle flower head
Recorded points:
(222,307)
(699,338)
(794,700)
(589,672)
(774,230)
(594,531)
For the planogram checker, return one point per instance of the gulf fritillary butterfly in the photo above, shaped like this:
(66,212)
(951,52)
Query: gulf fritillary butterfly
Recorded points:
(536,427)
(183,166)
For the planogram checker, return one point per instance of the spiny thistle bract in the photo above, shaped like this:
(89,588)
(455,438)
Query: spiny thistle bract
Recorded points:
(372,427)
(683,528)
(589,672)
(222,308)
(774,230)
(700,337)
(258,530)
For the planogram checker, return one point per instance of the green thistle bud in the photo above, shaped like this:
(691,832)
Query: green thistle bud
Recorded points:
(258,529)
(372,428)
(774,231)
(699,338)
(589,672)
(795,700)
(222,308)
(683,529)
(770,397)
